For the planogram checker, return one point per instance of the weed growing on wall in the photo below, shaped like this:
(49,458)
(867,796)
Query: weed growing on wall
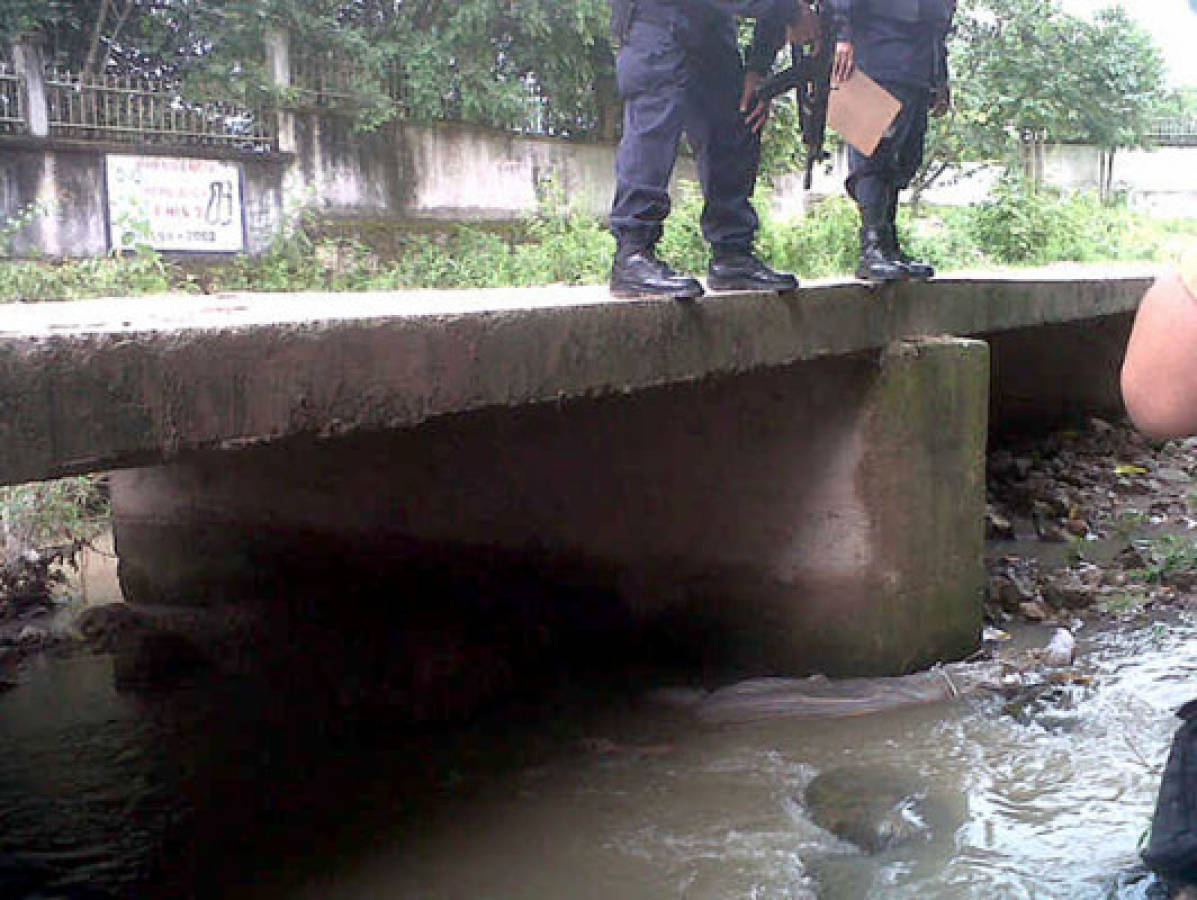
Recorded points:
(17,222)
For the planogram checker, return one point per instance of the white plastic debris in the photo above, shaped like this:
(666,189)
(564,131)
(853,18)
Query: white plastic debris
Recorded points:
(1061,649)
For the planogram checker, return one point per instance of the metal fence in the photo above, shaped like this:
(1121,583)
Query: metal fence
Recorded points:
(12,115)
(328,83)
(128,110)
(1177,132)
(122,109)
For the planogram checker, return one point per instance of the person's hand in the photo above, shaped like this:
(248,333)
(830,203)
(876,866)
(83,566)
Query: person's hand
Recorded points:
(805,29)
(941,99)
(756,111)
(845,62)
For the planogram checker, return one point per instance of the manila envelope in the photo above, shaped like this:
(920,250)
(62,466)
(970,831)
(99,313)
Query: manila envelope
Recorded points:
(861,110)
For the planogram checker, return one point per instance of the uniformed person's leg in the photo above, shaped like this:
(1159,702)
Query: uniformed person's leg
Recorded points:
(728,158)
(652,75)
(908,159)
(874,182)
(868,183)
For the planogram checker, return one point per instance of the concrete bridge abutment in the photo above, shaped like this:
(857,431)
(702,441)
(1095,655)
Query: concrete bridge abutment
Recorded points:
(790,482)
(824,515)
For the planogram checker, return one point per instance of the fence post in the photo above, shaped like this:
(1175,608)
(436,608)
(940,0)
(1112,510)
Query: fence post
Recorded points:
(278,62)
(29,62)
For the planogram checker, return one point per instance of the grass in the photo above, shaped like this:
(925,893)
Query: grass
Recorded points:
(1016,227)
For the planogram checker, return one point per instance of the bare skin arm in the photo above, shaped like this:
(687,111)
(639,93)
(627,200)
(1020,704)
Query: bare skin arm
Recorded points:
(1159,374)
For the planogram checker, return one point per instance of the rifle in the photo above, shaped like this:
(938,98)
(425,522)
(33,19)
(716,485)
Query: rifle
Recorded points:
(810,75)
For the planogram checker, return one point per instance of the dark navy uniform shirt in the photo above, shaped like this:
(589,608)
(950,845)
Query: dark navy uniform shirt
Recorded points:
(701,18)
(896,41)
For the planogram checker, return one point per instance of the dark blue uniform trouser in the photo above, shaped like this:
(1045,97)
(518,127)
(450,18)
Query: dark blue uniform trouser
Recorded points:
(676,75)
(898,156)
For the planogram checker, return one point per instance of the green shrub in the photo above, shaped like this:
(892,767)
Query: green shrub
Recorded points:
(823,243)
(1020,226)
(105,276)
(1016,226)
(683,245)
(46,513)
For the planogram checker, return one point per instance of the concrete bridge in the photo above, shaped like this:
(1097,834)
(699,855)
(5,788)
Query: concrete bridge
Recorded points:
(797,480)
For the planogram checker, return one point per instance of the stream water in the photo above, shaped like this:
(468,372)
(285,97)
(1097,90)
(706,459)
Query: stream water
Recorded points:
(227,789)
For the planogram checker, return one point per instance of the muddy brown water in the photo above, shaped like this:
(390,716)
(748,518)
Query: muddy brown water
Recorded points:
(226,789)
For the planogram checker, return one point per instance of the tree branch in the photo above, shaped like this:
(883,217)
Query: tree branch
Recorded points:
(97,33)
(130,5)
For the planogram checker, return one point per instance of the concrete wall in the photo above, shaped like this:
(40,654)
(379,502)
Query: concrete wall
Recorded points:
(402,173)
(1160,182)
(448,171)
(66,181)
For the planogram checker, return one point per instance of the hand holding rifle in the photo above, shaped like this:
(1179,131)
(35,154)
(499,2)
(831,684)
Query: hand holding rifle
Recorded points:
(809,75)
(805,29)
(845,62)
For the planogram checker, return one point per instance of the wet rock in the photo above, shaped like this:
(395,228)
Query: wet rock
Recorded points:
(608,747)
(1022,466)
(1035,611)
(1049,699)
(819,697)
(1053,596)
(104,626)
(1007,593)
(8,660)
(156,660)
(31,637)
(877,809)
(1013,582)
(997,526)
(1172,475)
(1076,527)
(676,697)
(1001,463)
(1181,579)
(1067,591)
(1050,532)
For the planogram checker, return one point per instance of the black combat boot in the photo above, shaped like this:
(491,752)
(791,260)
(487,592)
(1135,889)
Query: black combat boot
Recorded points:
(638,273)
(919,271)
(740,270)
(875,263)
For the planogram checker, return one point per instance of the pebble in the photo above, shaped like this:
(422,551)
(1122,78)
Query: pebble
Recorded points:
(1034,610)
(31,635)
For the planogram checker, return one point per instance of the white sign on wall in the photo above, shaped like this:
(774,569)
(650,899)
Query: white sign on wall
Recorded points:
(172,203)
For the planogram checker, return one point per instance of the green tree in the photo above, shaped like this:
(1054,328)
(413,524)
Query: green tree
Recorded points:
(1026,73)
(477,60)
